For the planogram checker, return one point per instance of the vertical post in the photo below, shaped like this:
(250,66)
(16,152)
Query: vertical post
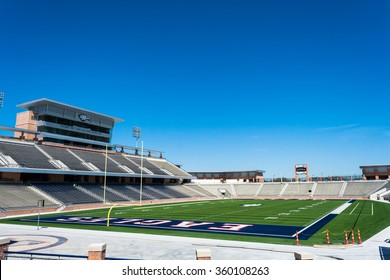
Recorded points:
(105,176)
(41,203)
(39,216)
(97,251)
(4,243)
(142,167)
(203,254)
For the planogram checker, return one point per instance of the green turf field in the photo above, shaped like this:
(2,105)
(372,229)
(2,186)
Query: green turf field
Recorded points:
(368,216)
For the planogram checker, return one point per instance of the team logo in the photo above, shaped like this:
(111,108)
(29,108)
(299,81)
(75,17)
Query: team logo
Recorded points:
(84,118)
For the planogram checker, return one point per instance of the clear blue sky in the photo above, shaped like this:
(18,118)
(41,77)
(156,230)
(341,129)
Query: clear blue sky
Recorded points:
(216,85)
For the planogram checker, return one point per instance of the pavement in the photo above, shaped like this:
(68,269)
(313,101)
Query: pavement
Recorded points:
(156,247)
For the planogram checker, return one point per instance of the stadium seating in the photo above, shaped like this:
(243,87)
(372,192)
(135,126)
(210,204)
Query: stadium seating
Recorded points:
(271,189)
(298,189)
(362,188)
(26,155)
(67,193)
(247,189)
(65,156)
(49,156)
(328,188)
(17,196)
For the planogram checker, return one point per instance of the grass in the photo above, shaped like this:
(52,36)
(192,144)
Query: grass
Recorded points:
(369,217)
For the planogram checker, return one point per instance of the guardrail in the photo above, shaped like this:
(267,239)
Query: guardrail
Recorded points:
(46,256)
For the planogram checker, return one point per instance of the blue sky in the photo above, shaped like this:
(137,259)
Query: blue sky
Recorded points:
(216,85)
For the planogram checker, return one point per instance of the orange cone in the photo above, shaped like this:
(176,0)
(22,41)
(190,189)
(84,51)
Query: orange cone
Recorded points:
(346,237)
(359,239)
(327,237)
(353,237)
(296,238)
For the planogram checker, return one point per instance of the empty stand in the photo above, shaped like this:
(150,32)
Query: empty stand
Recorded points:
(67,193)
(169,167)
(247,189)
(271,189)
(26,155)
(67,158)
(98,159)
(362,188)
(16,196)
(298,189)
(328,188)
(147,164)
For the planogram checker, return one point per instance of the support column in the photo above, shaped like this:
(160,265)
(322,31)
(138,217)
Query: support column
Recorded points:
(97,251)
(203,254)
(4,244)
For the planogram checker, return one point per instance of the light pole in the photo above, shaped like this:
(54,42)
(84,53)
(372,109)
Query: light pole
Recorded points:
(1,99)
(136,134)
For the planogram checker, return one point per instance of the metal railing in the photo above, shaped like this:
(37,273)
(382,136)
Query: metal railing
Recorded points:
(8,255)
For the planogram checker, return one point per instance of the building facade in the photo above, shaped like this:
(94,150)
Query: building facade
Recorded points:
(376,172)
(65,124)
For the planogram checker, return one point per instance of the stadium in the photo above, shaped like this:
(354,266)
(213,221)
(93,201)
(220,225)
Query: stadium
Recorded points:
(63,182)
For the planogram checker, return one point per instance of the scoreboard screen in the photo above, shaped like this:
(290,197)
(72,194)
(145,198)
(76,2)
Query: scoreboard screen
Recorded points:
(300,169)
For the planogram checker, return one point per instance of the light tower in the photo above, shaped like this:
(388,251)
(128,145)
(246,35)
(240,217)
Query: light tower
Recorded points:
(1,99)
(136,134)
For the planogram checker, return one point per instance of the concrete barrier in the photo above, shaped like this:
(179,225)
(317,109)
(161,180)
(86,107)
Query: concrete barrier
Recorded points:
(203,254)
(97,251)
(303,256)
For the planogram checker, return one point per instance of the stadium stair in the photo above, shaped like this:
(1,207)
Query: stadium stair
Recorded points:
(283,189)
(84,190)
(45,195)
(343,188)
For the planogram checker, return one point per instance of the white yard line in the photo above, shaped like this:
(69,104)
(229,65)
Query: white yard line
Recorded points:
(354,208)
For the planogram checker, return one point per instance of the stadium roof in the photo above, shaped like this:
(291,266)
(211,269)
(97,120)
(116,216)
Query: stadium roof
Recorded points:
(45,101)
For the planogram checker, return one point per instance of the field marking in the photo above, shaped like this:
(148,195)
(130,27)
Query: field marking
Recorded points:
(170,205)
(354,208)
(372,209)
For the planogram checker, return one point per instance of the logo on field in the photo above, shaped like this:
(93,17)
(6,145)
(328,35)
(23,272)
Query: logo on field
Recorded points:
(250,205)
(84,118)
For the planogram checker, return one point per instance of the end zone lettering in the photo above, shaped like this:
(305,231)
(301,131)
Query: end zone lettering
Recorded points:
(151,223)
(268,230)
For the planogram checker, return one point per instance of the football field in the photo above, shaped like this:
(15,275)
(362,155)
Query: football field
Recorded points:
(271,221)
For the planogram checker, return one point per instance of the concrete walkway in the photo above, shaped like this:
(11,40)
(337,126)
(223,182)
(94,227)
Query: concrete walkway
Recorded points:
(156,247)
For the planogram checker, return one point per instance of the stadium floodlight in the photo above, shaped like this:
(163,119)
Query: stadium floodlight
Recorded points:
(136,134)
(1,99)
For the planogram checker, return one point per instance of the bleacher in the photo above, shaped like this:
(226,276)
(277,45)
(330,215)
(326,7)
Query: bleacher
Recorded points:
(98,159)
(298,189)
(328,188)
(362,188)
(17,196)
(271,189)
(26,155)
(146,164)
(67,193)
(65,156)
(246,189)
(186,190)
(98,191)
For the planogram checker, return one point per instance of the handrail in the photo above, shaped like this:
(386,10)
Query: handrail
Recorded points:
(57,256)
